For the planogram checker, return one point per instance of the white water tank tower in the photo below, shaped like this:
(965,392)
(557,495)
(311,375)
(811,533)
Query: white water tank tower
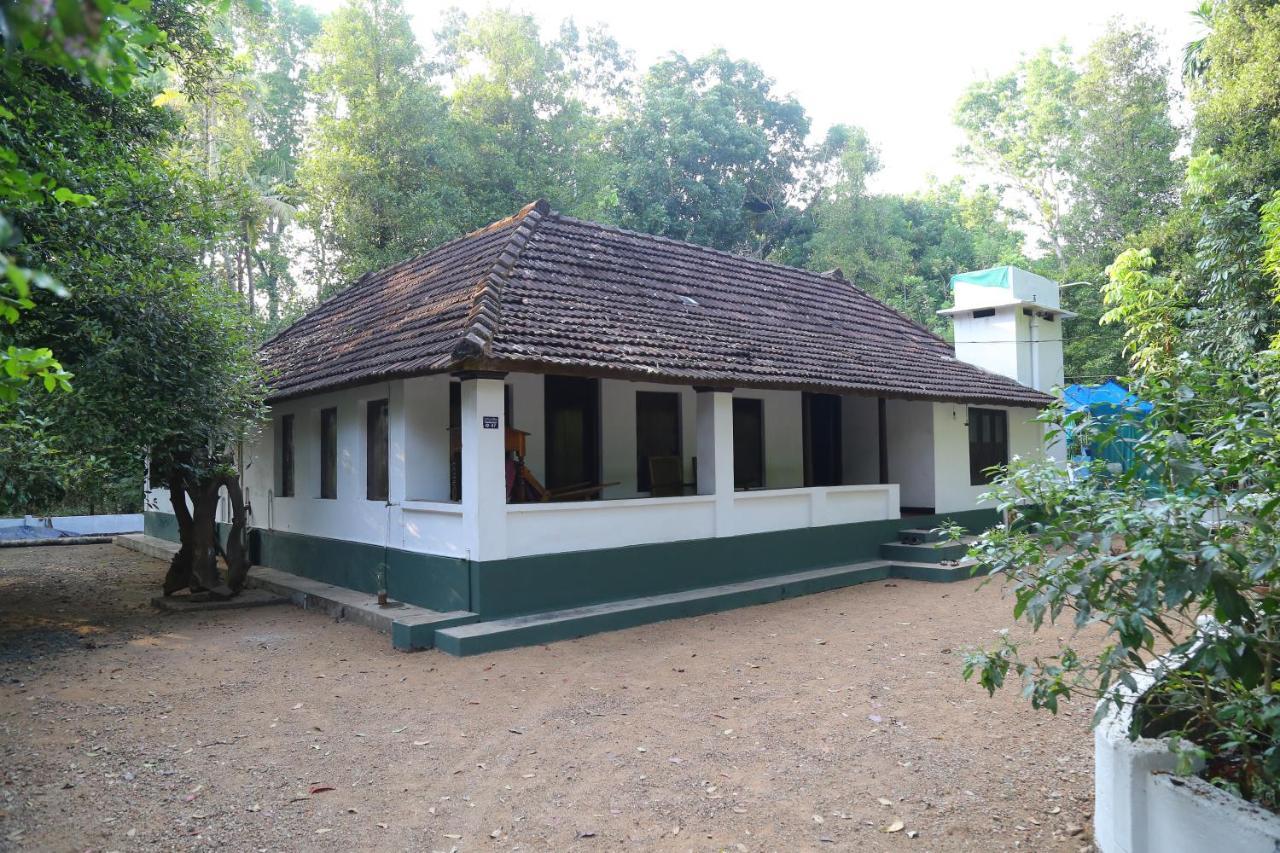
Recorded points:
(1009,321)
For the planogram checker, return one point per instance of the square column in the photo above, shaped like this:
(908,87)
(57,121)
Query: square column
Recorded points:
(715,453)
(484,466)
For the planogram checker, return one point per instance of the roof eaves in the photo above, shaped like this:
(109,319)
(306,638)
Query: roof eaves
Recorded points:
(485,315)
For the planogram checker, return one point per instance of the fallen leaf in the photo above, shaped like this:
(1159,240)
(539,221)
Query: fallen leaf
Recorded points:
(896,826)
(319,789)
(399,730)
(882,801)
(452,835)
(421,742)
(818,819)
(298,707)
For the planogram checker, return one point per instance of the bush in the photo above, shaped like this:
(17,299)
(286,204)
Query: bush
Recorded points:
(1190,531)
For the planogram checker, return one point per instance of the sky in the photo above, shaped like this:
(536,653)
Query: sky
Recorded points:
(896,68)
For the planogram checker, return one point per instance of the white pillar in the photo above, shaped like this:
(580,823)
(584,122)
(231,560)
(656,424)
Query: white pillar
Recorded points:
(715,453)
(484,473)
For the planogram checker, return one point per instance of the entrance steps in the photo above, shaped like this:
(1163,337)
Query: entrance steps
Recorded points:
(538,628)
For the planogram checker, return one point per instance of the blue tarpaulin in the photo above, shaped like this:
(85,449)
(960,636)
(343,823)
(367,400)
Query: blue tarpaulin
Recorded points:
(1108,403)
(1109,398)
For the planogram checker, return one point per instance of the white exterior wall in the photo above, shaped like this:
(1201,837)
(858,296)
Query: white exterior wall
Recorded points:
(927,448)
(911,450)
(952,490)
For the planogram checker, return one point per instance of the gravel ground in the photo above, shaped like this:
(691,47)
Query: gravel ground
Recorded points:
(816,723)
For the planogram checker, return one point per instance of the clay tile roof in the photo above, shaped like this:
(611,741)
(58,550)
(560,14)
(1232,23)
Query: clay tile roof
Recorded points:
(544,292)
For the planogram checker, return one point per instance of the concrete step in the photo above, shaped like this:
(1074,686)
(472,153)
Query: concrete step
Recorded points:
(919,535)
(925,552)
(962,570)
(411,627)
(479,637)
(152,546)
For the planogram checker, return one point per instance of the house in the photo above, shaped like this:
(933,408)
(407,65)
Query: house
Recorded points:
(554,426)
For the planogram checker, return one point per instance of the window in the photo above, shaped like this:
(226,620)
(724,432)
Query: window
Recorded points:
(988,443)
(984,312)
(748,443)
(376,450)
(658,437)
(286,456)
(329,454)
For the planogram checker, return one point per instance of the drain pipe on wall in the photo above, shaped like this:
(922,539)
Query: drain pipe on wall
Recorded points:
(385,568)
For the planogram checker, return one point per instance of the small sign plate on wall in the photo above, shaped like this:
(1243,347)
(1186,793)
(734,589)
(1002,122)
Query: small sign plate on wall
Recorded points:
(490,422)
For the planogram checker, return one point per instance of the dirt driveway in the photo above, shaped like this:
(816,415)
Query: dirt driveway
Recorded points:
(812,724)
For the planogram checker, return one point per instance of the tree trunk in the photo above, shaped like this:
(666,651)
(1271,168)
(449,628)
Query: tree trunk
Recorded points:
(204,543)
(237,552)
(195,566)
(179,575)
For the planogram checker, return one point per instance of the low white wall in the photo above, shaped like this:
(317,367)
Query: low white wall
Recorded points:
(593,525)
(81,525)
(786,509)
(1140,807)
(429,527)
(553,528)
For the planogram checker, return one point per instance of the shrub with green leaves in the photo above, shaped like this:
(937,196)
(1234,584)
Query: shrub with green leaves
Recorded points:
(1189,531)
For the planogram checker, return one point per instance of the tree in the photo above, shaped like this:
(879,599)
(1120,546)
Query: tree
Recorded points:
(528,112)
(1020,127)
(164,355)
(901,249)
(1188,531)
(1234,172)
(379,172)
(710,153)
(1124,173)
(1089,148)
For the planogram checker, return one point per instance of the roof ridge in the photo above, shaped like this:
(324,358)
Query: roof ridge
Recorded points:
(482,321)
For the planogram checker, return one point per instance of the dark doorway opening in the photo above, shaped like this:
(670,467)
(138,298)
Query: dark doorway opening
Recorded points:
(572,431)
(823,434)
(748,443)
(657,432)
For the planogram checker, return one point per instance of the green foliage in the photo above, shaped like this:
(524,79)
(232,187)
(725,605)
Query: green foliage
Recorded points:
(527,112)
(710,153)
(1216,246)
(378,172)
(904,249)
(1088,147)
(1020,126)
(1188,531)
(1150,308)
(164,362)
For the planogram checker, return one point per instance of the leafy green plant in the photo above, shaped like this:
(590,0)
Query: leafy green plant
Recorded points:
(1191,531)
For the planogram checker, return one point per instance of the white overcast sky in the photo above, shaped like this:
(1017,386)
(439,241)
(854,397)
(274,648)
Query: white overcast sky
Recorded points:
(896,68)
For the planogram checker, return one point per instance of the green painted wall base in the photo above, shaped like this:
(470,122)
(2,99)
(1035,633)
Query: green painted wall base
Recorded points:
(437,583)
(503,588)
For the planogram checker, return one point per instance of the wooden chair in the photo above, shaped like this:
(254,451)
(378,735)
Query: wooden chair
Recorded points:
(666,476)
